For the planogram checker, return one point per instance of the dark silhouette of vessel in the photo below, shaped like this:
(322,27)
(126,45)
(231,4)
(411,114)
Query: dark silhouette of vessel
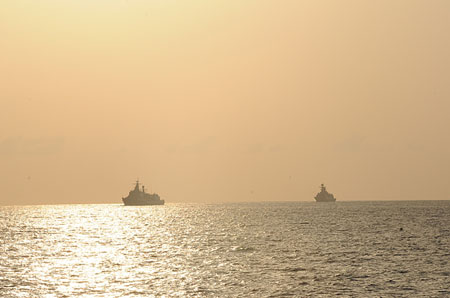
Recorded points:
(136,197)
(324,195)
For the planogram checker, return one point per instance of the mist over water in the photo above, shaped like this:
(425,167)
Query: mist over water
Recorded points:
(218,101)
(227,250)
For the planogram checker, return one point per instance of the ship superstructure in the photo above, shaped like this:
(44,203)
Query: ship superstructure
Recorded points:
(324,195)
(138,197)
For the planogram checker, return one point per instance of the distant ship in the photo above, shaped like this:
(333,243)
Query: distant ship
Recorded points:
(136,197)
(324,195)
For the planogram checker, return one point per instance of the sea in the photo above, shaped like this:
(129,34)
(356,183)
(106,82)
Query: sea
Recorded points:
(268,249)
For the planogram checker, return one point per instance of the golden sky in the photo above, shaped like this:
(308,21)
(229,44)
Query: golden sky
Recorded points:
(213,101)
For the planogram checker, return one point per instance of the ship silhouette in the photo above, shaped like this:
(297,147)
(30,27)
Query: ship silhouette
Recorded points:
(136,197)
(324,195)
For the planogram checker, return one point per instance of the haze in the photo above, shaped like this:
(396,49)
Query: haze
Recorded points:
(221,101)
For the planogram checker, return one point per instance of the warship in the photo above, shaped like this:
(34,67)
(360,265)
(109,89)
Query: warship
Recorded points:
(136,197)
(324,195)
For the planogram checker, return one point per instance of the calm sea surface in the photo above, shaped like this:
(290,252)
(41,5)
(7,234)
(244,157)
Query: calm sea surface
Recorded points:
(358,249)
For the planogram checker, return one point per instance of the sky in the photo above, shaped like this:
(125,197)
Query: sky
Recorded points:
(224,101)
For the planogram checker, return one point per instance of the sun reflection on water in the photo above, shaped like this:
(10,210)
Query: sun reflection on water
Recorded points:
(221,250)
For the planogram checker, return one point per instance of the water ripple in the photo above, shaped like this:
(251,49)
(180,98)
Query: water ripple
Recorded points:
(226,250)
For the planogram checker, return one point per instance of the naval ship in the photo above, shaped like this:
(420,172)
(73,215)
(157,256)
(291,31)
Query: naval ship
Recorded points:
(324,195)
(136,197)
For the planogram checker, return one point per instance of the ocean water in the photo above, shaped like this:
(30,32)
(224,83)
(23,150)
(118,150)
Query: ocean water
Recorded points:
(349,249)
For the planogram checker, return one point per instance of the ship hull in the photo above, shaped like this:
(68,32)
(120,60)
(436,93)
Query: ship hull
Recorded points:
(131,202)
(326,201)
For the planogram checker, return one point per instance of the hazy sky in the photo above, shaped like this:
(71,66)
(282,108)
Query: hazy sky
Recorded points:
(212,101)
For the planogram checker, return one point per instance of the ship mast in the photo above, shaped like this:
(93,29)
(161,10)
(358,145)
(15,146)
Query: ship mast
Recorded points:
(137,185)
